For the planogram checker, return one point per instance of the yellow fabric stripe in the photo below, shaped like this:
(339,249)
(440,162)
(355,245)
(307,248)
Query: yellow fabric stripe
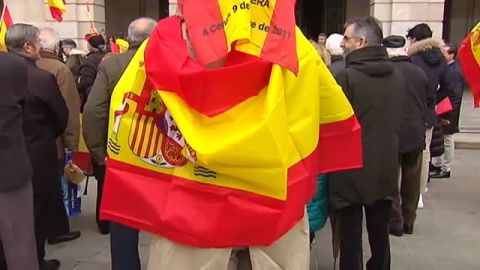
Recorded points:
(475,42)
(57,4)
(3,32)
(252,145)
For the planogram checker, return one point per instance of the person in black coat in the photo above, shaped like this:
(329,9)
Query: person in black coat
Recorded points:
(450,120)
(45,119)
(412,138)
(426,53)
(375,88)
(89,68)
(16,194)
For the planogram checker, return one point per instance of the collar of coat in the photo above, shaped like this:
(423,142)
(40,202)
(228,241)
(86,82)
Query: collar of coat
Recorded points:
(49,55)
(425,45)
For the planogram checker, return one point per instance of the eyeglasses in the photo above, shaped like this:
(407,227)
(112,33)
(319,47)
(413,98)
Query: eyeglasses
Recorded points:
(347,38)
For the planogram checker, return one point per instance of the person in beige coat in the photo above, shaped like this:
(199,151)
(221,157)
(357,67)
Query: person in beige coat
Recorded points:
(49,61)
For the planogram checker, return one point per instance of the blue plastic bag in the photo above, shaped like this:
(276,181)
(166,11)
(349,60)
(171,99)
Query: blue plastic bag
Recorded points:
(72,195)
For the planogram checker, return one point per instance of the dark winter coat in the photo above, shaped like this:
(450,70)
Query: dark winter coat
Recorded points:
(88,72)
(437,147)
(97,109)
(412,131)
(14,161)
(455,98)
(376,90)
(337,65)
(428,56)
(46,118)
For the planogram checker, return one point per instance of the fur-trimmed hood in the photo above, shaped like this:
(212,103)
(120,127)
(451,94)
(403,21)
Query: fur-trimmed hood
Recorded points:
(429,49)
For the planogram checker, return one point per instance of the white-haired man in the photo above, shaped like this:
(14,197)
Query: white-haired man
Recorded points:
(49,61)
(336,53)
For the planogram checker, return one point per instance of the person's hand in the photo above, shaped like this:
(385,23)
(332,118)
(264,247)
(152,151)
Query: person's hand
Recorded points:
(445,122)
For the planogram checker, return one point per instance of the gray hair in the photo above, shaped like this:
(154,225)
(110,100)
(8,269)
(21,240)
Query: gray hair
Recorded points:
(369,28)
(49,39)
(394,52)
(140,29)
(333,44)
(19,34)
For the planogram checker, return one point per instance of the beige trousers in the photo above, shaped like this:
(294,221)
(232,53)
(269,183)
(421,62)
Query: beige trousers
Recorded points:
(426,161)
(290,252)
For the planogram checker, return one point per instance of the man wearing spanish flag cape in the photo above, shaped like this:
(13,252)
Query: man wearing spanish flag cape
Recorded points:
(218,129)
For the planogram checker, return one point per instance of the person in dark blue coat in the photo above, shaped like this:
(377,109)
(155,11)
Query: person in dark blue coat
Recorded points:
(451,119)
(426,53)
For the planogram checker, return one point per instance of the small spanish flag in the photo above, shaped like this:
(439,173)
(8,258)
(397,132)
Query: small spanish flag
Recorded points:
(470,61)
(57,8)
(4,24)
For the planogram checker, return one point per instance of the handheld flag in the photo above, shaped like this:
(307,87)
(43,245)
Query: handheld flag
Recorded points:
(470,61)
(234,161)
(5,22)
(57,8)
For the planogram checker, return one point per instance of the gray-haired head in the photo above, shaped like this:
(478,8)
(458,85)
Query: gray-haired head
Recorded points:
(140,30)
(49,39)
(360,33)
(19,34)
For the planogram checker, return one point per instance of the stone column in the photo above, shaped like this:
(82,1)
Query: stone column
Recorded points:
(173,7)
(76,22)
(397,16)
(27,11)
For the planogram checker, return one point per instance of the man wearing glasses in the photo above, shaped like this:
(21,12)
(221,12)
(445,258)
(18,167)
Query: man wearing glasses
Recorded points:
(375,88)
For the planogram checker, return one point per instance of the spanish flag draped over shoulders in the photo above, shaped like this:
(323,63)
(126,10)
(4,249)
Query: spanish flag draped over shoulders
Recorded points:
(57,8)
(470,61)
(4,24)
(228,156)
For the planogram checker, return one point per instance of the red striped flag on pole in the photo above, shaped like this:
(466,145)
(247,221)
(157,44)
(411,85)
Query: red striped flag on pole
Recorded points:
(57,8)
(5,22)
(470,61)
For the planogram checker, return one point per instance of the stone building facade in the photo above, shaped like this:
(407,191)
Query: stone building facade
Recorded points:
(449,20)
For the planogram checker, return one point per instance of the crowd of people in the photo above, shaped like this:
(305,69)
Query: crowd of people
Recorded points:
(392,83)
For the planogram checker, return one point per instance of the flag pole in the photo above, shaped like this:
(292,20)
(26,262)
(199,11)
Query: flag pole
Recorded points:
(89,15)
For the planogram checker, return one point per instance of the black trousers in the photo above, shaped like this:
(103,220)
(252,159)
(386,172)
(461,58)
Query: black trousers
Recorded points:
(124,247)
(351,223)
(99,172)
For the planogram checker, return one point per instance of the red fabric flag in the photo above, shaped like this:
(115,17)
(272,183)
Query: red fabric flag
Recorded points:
(469,54)
(57,8)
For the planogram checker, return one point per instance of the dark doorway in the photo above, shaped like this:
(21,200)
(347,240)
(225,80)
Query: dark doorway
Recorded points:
(459,19)
(320,16)
(119,13)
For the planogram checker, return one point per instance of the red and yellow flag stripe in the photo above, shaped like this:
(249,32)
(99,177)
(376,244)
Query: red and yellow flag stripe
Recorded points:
(470,61)
(235,168)
(4,24)
(57,8)
(263,28)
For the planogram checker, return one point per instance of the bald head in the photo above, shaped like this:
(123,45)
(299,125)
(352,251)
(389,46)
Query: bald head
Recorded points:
(49,39)
(140,29)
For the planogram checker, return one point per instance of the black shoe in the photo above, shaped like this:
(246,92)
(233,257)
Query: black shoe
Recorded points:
(408,229)
(441,174)
(64,238)
(434,170)
(50,265)
(396,232)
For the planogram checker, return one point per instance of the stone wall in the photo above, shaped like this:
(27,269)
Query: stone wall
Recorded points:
(397,16)
(76,22)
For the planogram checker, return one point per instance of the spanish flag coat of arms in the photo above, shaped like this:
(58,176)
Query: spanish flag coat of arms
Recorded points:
(229,156)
